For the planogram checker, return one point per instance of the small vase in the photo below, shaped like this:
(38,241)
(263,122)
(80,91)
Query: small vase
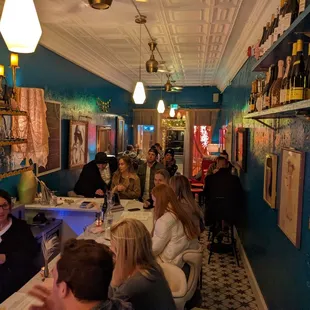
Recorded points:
(27,187)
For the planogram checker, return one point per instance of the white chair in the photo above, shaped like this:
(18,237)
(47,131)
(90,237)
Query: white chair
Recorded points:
(183,291)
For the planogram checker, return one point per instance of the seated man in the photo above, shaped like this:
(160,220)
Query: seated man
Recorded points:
(81,280)
(146,173)
(213,168)
(169,162)
(96,176)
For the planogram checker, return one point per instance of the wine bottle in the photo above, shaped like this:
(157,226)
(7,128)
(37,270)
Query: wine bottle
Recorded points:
(282,4)
(291,12)
(288,89)
(274,79)
(307,76)
(276,89)
(298,75)
(264,45)
(269,82)
(271,31)
(302,6)
(276,27)
(284,93)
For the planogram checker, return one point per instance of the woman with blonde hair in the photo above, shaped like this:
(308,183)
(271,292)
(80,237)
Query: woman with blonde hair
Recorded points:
(125,181)
(174,231)
(137,277)
(182,188)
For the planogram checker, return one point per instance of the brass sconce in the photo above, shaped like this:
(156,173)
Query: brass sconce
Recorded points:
(14,66)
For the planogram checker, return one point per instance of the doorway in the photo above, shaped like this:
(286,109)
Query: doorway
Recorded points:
(104,140)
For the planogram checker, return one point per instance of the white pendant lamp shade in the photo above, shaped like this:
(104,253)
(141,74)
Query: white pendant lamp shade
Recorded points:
(161,106)
(139,93)
(172,112)
(20,26)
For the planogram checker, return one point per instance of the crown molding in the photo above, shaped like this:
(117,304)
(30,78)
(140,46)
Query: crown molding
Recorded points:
(249,34)
(84,57)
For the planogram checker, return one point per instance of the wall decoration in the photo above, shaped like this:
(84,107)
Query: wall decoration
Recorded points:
(241,148)
(120,134)
(270,180)
(104,106)
(78,144)
(292,179)
(53,118)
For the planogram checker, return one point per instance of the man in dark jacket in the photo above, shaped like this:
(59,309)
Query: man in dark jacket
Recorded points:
(146,173)
(96,176)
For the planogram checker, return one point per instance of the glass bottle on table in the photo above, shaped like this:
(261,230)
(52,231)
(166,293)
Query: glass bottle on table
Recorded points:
(275,95)
(297,84)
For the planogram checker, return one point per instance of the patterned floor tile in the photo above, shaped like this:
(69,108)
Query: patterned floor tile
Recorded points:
(225,286)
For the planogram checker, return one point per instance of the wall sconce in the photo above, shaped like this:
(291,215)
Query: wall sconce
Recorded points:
(14,66)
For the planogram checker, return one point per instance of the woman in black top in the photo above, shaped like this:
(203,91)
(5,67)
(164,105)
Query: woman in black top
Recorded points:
(18,250)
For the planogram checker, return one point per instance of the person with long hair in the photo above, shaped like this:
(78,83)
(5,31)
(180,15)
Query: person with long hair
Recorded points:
(125,181)
(137,277)
(182,188)
(174,231)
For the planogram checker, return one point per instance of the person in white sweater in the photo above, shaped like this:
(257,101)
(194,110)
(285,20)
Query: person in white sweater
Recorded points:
(174,232)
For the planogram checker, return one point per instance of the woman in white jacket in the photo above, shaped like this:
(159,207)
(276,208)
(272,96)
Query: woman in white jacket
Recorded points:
(174,231)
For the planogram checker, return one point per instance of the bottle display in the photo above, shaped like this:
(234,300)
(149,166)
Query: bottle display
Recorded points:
(276,88)
(285,82)
(266,93)
(288,89)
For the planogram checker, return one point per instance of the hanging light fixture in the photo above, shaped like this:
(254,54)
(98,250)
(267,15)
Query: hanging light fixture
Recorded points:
(139,92)
(20,26)
(100,4)
(152,63)
(172,112)
(161,104)
(168,85)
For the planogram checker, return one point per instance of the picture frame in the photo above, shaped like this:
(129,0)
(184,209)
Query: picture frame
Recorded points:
(53,118)
(291,194)
(241,148)
(78,144)
(270,180)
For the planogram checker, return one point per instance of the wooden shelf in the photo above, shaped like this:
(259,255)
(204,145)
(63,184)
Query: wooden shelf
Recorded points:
(283,47)
(6,172)
(12,141)
(13,112)
(284,111)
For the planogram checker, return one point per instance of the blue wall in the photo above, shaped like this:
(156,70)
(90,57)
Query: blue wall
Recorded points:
(73,86)
(282,271)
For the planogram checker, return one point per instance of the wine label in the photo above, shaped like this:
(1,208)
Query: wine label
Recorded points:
(266,102)
(302,5)
(297,62)
(287,95)
(282,95)
(287,21)
(297,93)
(307,93)
(275,34)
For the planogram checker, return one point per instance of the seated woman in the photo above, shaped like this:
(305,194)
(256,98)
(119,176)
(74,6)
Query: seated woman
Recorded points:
(137,277)
(125,181)
(18,250)
(169,162)
(182,188)
(162,176)
(174,231)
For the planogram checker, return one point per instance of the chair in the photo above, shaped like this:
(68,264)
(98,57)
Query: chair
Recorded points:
(183,291)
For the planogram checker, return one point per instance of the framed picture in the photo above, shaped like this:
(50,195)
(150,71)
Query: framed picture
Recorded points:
(78,144)
(53,118)
(292,179)
(241,148)
(270,180)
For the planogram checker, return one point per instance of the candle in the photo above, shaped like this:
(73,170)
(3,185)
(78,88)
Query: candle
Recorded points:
(1,70)
(14,60)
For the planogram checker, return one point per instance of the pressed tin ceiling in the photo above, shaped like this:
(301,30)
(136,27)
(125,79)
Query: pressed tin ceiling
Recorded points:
(195,37)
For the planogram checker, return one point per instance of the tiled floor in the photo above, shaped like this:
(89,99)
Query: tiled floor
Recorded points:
(225,286)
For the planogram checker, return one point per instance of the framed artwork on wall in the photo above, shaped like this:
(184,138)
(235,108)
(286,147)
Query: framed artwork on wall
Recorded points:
(241,148)
(292,179)
(78,144)
(270,180)
(53,118)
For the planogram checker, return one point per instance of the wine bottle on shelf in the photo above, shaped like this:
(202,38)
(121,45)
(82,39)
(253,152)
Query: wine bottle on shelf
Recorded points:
(264,45)
(291,13)
(284,93)
(302,5)
(275,95)
(271,31)
(269,82)
(274,79)
(288,89)
(281,15)
(276,27)
(298,75)
(259,99)
(307,76)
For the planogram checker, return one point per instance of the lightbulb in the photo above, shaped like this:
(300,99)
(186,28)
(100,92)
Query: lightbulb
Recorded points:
(20,26)
(161,106)
(179,115)
(172,112)
(139,93)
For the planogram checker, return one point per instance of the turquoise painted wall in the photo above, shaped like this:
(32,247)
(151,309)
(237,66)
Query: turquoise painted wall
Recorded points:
(77,89)
(282,271)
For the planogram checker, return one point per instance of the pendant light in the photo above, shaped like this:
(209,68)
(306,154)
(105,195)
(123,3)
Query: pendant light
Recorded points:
(152,64)
(139,92)
(161,104)
(20,26)
(172,112)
